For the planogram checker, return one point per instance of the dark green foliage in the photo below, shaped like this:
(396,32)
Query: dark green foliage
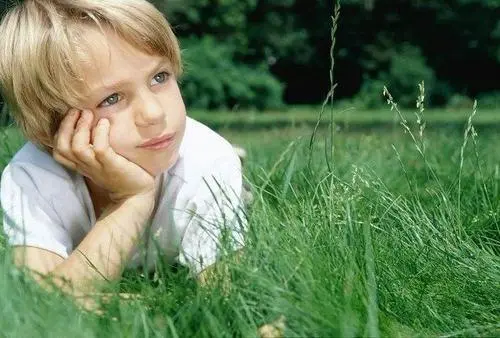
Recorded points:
(255,29)
(459,42)
(397,69)
(455,43)
(213,79)
(490,100)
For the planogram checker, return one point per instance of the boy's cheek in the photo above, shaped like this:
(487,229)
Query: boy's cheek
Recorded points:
(120,140)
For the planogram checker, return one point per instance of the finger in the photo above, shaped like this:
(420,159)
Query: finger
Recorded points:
(80,144)
(62,140)
(102,149)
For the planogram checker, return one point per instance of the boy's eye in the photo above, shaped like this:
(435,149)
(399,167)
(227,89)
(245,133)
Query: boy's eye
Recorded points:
(161,77)
(110,100)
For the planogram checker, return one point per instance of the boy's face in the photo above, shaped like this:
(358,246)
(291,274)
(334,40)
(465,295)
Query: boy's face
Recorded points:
(140,97)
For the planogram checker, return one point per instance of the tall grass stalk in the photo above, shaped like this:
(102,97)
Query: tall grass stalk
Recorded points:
(418,141)
(329,142)
(467,132)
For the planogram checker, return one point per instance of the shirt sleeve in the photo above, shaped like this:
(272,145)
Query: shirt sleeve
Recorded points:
(29,219)
(218,220)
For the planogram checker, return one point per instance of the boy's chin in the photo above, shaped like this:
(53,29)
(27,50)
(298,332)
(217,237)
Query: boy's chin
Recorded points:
(159,168)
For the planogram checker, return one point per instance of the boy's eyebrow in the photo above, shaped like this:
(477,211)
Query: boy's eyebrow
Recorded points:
(121,83)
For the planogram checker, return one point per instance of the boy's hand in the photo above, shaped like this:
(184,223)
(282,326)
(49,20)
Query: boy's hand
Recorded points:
(89,153)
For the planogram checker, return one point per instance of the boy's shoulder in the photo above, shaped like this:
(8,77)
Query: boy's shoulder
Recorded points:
(33,166)
(30,155)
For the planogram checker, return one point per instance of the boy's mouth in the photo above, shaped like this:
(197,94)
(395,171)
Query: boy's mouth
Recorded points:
(159,142)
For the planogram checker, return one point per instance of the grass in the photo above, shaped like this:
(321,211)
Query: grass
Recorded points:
(385,243)
(346,117)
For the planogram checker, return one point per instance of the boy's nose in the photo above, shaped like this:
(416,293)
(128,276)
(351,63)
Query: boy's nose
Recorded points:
(149,111)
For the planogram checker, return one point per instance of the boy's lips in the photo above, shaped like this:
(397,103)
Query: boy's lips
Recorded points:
(158,142)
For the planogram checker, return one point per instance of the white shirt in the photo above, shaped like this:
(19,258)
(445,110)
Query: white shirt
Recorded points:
(48,206)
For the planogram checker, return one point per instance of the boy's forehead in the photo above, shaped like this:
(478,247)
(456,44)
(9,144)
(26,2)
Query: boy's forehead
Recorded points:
(108,59)
(97,48)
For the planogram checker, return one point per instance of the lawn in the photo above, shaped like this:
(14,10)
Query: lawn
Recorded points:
(383,236)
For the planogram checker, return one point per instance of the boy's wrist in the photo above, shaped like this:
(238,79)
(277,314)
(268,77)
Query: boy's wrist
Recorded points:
(142,201)
(141,205)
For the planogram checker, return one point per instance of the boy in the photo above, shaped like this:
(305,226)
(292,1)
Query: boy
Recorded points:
(112,164)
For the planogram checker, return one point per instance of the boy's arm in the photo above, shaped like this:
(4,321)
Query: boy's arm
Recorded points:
(103,252)
(131,192)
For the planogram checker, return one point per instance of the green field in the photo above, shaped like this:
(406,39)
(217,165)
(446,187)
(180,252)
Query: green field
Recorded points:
(383,236)
(346,117)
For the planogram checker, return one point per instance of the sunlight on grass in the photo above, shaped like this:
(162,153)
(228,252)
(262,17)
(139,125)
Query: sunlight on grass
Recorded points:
(386,242)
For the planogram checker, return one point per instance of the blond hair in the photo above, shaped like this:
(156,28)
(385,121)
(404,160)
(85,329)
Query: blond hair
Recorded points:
(41,74)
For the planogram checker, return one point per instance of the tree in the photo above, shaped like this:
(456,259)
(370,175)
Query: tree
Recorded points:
(459,40)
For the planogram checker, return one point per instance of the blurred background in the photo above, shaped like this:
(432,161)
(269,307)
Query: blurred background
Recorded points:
(260,55)
(265,53)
